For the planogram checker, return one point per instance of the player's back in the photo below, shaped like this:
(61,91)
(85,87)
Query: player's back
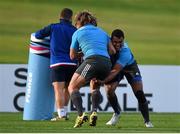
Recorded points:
(93,41)
(60,40)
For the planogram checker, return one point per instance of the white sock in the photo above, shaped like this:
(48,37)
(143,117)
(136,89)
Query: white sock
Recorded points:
(65,110)
(61,112)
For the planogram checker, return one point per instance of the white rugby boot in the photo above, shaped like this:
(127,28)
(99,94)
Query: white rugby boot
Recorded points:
(149,124)
(114,120)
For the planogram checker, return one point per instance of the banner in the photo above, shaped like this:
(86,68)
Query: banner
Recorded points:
(161,87)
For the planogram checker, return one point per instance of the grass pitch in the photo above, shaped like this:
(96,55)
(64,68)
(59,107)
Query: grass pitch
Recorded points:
(152,27)
(129,123)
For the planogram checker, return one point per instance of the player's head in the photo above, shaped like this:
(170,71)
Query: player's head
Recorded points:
(66,14)
(117,38)
(83,18)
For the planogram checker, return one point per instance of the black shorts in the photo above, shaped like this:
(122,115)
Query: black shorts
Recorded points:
(131,72)
(62,73)
(95,67)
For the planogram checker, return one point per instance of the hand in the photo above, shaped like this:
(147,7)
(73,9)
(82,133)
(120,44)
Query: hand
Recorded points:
(95,84)
(80,54)
(100,82)
(80,57)
(95,81)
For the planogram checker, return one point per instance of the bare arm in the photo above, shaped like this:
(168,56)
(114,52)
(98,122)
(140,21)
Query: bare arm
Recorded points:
(116,69)
(111,48)
(73,54)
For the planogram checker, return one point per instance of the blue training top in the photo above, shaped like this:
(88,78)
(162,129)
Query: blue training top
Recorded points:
(91,40)
(125,56)
(60,41)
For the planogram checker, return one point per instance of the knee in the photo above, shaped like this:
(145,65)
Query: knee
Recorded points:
(74,86)
(71,88)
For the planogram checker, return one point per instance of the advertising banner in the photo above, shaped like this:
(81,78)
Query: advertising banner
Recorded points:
(161,87)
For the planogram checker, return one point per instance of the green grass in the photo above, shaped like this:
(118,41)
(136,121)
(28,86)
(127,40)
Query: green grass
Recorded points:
(152,27)
(129,122)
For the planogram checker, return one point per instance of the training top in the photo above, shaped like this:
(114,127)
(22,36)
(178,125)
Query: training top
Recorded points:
(125,56)
(91,40)
(60,41)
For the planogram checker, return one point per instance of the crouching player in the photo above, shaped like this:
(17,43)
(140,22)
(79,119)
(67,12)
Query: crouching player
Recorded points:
(124,64)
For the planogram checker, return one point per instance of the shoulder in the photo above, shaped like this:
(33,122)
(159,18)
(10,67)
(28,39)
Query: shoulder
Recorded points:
(59,24)
(125,47)
(74,28)
(79,31)
(82,28)
(52,25)
(75,34)
(125,51)
(103,31)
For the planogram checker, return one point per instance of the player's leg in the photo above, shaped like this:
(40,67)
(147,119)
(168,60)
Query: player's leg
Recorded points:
(133,76)
(93,67)
(96,100)
(69,69)
(76,82)
(112,98)
(59,100)
(101,67)
(143,104)
(95,94)
(58,82)
(83,75)
(59,97)
(66,101)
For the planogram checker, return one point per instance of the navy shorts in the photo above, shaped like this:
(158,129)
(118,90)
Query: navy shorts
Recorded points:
(95,67)
(131,72)
(62,73)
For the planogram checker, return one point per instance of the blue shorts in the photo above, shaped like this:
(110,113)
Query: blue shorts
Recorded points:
(62,73)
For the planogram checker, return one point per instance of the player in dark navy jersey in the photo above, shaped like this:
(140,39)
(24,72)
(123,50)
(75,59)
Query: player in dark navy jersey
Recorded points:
(124,64)
(62,66)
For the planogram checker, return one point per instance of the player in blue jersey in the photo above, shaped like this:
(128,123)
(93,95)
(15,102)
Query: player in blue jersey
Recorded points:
(94,43)
(124,64)
(62,66)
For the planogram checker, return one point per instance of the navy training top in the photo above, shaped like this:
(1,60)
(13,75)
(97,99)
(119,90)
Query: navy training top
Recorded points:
(60,41)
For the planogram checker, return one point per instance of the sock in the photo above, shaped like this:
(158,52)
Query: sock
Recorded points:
(96,99)
(60,112)
(77,101)
(65,110)
(144,111)
(114,103)
(143,105)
